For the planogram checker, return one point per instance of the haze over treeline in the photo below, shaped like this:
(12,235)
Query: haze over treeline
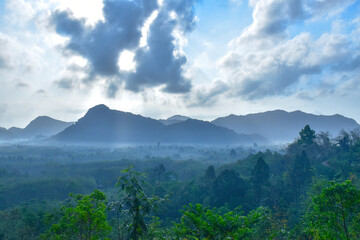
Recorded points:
(179,119)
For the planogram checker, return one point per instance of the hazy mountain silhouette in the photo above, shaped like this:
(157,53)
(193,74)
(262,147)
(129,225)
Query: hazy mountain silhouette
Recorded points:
(197,131)
(40,127)
(101,124)
(174,119)
(15,130)
(6,135)
(282,126)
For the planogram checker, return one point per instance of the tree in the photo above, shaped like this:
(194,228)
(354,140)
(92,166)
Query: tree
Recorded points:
(85,220)
(307,136)
(335,213)
(135,204)
(210,175)
(232,153)
(261,174)
(228,188)
(199,222)
(300,175)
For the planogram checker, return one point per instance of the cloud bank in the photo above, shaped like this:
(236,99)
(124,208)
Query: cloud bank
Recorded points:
(266,60)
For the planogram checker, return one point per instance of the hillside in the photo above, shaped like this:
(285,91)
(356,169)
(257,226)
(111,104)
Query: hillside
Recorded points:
(282,126)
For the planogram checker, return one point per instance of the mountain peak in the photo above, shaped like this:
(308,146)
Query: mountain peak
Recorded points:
(178,118)
(100,107)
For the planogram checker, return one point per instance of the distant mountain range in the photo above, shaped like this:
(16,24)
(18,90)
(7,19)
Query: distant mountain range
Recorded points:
(6,135)
(40,127)
(103,125)
(282,126)
(174,119)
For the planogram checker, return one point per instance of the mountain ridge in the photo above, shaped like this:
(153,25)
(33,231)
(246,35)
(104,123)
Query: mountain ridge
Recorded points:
(283,126)
(102,124)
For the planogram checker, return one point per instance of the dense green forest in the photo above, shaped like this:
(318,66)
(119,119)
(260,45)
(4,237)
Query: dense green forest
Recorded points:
(306,190)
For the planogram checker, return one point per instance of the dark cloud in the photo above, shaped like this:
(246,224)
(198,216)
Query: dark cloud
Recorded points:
(112,89)
(157,64)
(102,44)
(66,24)
(327,6)
(4,46)
(296,10)
(209,95)
(41,92)
(275,82)
(348,64)
(22,85)
(2,62)
(65,83)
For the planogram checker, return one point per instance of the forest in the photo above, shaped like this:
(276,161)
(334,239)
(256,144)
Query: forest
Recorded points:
(308,189)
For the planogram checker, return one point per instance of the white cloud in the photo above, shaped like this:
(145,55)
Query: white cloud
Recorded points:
(263,61)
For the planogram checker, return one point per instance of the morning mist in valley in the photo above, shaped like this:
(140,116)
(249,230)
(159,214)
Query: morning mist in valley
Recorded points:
(179,119)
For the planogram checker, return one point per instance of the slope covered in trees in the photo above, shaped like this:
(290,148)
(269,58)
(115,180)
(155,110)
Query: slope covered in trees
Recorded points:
(310,190)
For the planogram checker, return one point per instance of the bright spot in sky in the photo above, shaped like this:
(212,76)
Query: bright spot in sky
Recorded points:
(145,29)
(126,61)
(78,60)
(93,11)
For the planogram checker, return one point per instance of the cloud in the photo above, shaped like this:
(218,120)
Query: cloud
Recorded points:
(157,63)
(207,95)
(22,84)
(41,92)
(3,63)
(264,61)
(2,108)
(4,55)
(16,57)
(65,83)
(328,7)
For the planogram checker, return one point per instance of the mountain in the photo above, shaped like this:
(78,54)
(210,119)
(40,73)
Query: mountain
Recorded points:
(174,119)
(101,124)
(15,130)
(40,127)
(6,135)
(282,126)
(198,132)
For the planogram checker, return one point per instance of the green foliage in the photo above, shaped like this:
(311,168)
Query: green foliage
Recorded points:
(335,213)
(228,188)
(135,204)
(307,136)
(300,173)
(25,222)
(199,222)
(210,174)
(261,174)
(86,219)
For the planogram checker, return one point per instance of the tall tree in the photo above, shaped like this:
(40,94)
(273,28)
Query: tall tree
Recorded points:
(261,174)
(300,175)
(135,203)
(210,174)
(307,136)
(228,188)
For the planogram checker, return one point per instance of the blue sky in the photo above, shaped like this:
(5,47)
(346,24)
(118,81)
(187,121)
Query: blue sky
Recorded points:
(203,59)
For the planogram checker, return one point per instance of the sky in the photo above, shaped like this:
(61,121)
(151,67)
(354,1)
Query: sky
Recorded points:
(200,58)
